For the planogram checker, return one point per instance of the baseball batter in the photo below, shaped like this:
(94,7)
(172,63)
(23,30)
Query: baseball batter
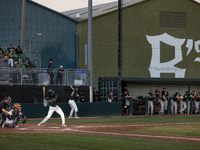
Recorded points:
(52,101)
(3,112)
(73,97)
(15,117)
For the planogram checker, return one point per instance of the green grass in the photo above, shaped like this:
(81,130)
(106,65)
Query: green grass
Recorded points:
(65,141)
(125,120)
(69,141)
(182,130)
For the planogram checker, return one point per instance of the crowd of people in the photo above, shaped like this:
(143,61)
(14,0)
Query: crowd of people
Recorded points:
(15,57)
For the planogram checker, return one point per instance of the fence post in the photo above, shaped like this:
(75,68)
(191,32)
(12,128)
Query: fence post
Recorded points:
(146,106)
(168,106)
(191,106)
(131,106)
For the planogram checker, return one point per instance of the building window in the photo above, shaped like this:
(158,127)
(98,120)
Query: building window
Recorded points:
(172,20)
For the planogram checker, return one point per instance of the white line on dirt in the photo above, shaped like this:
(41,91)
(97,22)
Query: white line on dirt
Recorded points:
(138,135)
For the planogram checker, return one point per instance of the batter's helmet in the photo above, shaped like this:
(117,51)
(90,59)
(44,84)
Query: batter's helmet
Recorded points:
(76,89)
(51,92)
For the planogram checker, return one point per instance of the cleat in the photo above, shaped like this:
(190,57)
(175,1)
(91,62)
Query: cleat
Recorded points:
(76,117)
(180,112)
(70,117)
(2,125)
(63,125)
(16,126)
(39,124)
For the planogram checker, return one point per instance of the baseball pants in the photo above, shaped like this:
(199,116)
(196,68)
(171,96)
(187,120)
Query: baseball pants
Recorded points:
(150,104)
(196,106)
(183,105)
(173,105)
(162,103)
(166,104)
(73,107)
(51,111)
(188,107)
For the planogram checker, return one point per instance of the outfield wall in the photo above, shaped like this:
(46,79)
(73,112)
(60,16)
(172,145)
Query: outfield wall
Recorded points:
(84,109)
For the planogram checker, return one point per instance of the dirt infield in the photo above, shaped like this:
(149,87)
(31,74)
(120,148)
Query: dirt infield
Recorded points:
(99,129)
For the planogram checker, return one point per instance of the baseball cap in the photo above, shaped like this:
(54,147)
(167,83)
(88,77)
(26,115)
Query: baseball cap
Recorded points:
(164,87)
(61,66)
(151,90)
(192,90)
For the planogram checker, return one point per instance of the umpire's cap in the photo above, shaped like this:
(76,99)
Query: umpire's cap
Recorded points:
(8,99)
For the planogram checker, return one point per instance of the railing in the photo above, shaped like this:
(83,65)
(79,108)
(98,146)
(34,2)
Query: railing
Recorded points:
(40,77)
(168,105)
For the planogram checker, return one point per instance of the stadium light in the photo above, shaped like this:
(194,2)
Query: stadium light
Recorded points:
(31,42)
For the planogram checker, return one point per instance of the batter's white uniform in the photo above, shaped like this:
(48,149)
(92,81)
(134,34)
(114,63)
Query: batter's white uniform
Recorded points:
(51,111)
(73,107)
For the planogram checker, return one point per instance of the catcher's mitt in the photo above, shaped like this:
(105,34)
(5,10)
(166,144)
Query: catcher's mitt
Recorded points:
(24,120)
(44,102)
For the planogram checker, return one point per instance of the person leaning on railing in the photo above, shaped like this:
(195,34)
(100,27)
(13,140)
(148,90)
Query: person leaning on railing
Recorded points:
(174,102)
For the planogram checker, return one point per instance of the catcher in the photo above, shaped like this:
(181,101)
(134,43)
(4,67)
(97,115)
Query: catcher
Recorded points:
(52,101)
(12,121)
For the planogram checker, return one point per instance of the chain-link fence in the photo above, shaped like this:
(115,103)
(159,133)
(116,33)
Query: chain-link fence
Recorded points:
(41,76)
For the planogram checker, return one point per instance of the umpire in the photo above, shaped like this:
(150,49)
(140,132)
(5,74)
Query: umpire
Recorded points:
(3,112)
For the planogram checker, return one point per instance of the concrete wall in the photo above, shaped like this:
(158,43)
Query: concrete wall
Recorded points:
(139,21)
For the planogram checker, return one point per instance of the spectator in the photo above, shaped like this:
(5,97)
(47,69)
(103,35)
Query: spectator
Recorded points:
(82,97)
(1,49)
(183,102)
(124,91)
(196,102)
(95,95)
(10,61)
(50,71)
(1,54)
(151,96)
(11,49)
(6,56)
(27,62)
(174,102)
(18,50)
(166,101)
(60,74)
(110,97)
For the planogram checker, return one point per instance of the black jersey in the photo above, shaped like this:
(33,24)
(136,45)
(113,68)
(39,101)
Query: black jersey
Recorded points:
(53,99)
(186,97)
(3,105)
(157,93)
(198,98)
(73,95)
(150,98)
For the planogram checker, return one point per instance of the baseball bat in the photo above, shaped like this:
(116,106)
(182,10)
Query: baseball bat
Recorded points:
(71,87)
(44,92)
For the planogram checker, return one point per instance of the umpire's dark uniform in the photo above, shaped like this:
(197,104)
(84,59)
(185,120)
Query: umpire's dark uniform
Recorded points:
(3,105)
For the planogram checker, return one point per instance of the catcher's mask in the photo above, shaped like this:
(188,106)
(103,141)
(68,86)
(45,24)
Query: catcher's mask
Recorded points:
(8,99)
(51,92)
(17,106)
